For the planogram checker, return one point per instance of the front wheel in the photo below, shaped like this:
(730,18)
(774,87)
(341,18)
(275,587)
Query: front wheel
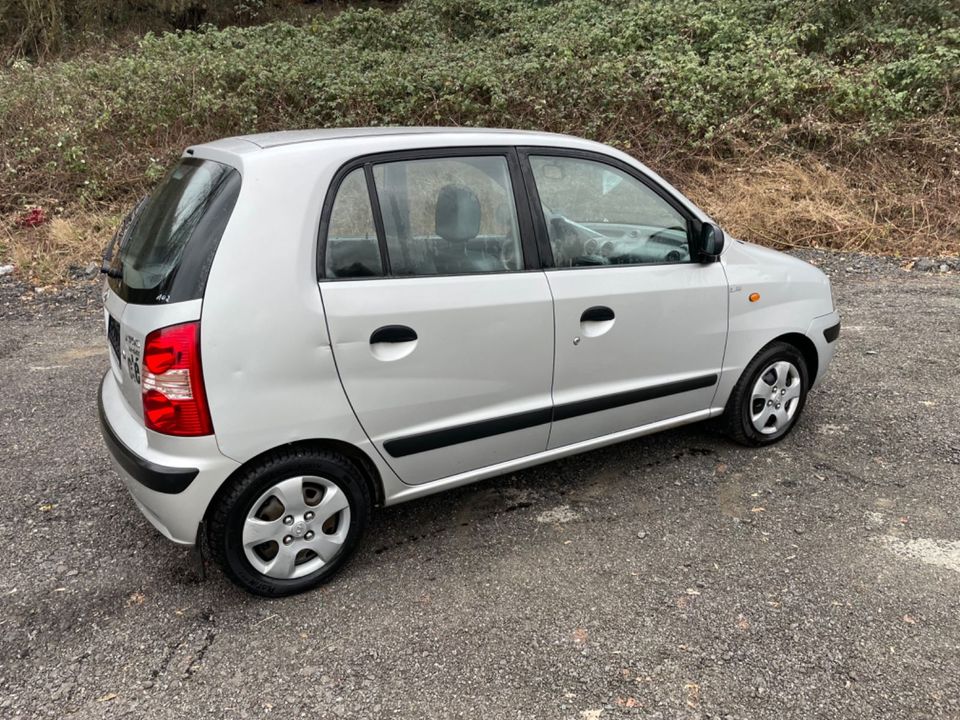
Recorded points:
(288,522)
(767,400)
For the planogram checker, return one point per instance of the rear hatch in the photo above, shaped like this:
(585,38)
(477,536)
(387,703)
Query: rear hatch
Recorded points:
(157,264)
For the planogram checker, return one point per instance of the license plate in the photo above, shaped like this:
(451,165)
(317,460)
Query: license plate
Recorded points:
(113,335)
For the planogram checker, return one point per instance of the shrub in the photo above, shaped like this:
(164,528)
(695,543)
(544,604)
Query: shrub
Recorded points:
(681,79)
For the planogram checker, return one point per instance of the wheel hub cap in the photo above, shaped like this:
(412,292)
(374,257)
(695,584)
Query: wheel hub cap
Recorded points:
(296,527)
(775,397)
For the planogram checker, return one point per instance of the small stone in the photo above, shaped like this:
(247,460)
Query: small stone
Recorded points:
(147,684)
(871,352)
(944,267)
(91,271)
(5,270)
(642,534)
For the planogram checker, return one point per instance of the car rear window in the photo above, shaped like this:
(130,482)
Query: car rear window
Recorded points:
(166,251)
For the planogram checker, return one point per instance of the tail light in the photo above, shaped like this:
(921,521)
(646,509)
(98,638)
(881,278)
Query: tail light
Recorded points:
(174,399)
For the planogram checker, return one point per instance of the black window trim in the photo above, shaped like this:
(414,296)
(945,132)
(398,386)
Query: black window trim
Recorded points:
(530,251)
(535,207)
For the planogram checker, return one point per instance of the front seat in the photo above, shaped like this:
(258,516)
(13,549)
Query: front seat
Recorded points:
(457,223)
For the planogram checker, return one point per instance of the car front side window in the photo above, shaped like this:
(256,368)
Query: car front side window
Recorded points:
(597,214)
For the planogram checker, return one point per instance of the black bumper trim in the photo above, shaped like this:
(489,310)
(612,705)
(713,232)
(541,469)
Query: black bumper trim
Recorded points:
(155,477)
(832,333)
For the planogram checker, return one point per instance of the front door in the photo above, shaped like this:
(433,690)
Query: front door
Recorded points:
(640,324)
(442,337)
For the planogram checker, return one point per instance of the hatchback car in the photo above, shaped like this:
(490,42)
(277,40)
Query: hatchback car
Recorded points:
(305,325)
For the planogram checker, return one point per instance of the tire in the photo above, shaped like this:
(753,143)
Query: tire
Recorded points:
(307,508)
(784,401)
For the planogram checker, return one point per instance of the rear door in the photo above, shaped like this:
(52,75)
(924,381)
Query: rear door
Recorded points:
(640,325)
(441,324)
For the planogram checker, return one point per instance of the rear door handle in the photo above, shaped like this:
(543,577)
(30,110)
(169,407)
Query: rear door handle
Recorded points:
(393,334)
(597,313)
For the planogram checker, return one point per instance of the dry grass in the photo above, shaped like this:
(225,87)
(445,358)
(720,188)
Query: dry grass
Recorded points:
(880,205)
(899,196)
(47,255)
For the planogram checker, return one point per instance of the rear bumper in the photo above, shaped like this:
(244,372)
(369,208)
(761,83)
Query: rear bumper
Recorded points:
(155,477)
(172,480)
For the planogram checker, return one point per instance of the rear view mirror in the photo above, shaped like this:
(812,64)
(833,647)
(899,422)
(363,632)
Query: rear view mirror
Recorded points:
(710,243)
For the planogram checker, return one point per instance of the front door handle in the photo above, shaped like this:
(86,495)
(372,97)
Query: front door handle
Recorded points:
(597,313)
(393,334)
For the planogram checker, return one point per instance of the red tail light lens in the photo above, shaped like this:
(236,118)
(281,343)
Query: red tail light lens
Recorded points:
(174,399)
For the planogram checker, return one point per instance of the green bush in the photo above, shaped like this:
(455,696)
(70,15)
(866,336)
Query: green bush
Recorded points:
(685,76)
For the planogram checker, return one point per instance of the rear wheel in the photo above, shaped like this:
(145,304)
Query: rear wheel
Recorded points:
(769,397)
(289,522)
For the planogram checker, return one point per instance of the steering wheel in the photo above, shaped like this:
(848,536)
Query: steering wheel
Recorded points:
(662,235)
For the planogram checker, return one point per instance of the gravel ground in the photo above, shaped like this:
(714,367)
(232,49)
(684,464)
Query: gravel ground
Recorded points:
(675,576)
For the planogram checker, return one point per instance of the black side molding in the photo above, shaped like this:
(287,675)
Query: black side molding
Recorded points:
(608,402)
(832,333)
(412,444)
(155,477)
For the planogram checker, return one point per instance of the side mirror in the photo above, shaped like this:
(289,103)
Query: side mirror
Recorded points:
(710,243)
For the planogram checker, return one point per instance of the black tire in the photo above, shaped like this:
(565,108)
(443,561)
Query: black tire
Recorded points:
(228,513)
(736,419)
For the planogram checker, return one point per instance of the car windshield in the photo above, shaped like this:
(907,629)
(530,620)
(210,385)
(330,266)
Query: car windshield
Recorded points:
(166,253)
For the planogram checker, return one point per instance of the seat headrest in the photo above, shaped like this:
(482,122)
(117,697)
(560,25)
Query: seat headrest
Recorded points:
(458,214)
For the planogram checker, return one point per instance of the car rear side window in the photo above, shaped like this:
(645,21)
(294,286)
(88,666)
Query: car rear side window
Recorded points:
(352,249)
(449,215)
(168,247)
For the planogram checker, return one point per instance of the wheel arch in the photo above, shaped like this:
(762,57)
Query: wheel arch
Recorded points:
(806,347)
(359,459)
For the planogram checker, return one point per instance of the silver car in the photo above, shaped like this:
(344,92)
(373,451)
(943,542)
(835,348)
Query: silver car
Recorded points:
(305,325)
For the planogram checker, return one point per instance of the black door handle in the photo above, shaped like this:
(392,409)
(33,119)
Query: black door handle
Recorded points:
(597,313)
(393,334)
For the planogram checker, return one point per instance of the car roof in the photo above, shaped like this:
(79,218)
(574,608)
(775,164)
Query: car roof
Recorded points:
(355,142)
(443,135)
